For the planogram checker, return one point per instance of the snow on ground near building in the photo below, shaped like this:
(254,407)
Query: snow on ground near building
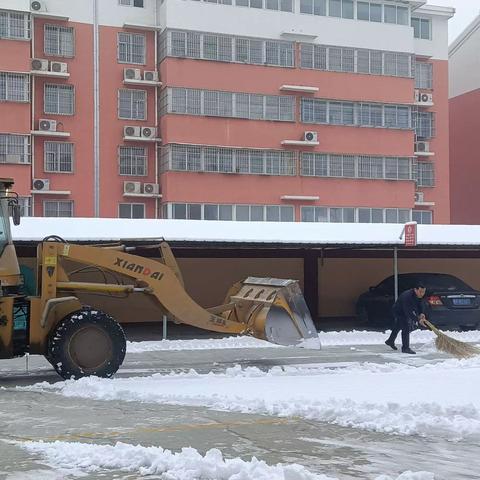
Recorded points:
(188,464)
(326,338)
(432,400)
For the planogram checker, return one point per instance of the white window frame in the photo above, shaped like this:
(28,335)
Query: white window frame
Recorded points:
(58,89)
(10,33)
(64,39)
(134,103)
(59,204)
(130,55)
(14,87)
(10,149)
(131,205)
(123,151)
(131,3)
(60,149)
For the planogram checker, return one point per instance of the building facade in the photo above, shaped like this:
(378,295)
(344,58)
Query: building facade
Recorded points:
(248,110)
(465,125)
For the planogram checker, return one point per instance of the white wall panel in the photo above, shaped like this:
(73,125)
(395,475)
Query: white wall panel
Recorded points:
(232,20)
(437,48)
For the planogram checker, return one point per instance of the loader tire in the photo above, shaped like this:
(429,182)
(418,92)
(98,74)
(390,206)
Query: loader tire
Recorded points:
(87,342)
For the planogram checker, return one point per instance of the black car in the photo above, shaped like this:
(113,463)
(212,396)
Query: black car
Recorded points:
(450,302)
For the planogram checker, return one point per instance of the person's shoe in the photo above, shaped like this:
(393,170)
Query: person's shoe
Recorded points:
(408,350)
(391,345)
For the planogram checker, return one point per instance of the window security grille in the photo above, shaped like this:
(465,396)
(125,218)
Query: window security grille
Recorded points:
(131,48)
(132,161)
(425,174)
(225,48)
(423,75)
(58,157)
(352,166)
(424,124)
(14,25)
(59,99)
(362,114)
(131,210)
(132,104)
(14,148)
(57,208)
(59,41)
(14,87)
(227,104)
(337,59)
(228,160)
(240,213)
(355,215)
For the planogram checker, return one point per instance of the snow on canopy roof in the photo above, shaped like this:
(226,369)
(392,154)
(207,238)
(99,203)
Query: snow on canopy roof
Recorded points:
(292,233)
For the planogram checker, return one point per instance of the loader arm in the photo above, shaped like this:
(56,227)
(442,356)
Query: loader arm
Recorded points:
(162,281)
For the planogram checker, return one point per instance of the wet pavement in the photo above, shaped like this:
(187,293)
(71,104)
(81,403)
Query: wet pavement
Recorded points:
(340,452)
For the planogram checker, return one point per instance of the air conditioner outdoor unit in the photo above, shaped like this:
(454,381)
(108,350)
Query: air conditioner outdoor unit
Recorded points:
(149,132)
(150,76)
(13,158)
(132,131)
(39,64)
(310,136)
(151,188)
(423,97)
(58,67)
(132,74)
(41,184)
(423,147)
(47,125)
(37,6)
(132,187)
(418,197)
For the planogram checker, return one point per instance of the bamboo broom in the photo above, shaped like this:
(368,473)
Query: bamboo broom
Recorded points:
(447,344)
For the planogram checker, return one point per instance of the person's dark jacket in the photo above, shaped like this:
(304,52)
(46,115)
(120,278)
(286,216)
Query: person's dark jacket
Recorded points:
(408,307)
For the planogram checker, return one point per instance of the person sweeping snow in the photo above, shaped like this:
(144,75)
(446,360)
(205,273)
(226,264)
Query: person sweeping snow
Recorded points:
(408,311)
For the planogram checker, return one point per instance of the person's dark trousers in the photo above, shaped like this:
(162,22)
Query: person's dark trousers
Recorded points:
(403,325)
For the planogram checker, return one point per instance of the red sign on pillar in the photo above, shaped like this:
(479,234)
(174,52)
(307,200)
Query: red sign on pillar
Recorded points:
(411,234)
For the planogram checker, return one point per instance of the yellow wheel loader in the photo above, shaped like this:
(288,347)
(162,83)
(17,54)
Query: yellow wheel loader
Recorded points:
(81,340)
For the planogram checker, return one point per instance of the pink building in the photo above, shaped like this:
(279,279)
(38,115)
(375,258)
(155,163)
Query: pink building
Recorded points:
(465,125)
(252,110)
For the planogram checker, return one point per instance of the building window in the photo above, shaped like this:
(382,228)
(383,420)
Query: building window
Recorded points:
(356,166)
(282,5)
(369,11)
(58,157)
(395,14)
(348,113)
(423,75)
(14,148)
(425,174)
(131,48)
(239,213)
(131,210)
(227,104)
(422,216)
(224,48)
(354,215)
(14,25)
(314,7)
(59,99)
(132,104)
(59,41)
(424,123)
(132,161)
(422,28)
(228,160)
(131,3)
(14,87)
(337,59)
(53,208)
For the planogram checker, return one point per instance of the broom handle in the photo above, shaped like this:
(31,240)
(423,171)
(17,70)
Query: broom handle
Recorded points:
(431,327)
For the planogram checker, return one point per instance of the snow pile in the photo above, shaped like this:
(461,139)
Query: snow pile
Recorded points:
(188,464)
(433,400)
(327,339)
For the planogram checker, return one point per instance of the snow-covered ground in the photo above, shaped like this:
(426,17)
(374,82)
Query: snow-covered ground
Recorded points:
(416,396)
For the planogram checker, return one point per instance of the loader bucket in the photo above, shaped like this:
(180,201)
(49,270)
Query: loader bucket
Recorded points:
(275,310)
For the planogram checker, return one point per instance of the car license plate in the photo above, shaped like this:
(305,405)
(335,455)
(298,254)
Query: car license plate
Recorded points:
(461,301)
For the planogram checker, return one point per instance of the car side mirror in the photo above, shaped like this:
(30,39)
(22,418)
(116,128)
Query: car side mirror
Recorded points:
(16,214)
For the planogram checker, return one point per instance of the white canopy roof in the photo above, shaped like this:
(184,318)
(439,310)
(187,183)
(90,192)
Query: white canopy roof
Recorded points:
(295,233)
